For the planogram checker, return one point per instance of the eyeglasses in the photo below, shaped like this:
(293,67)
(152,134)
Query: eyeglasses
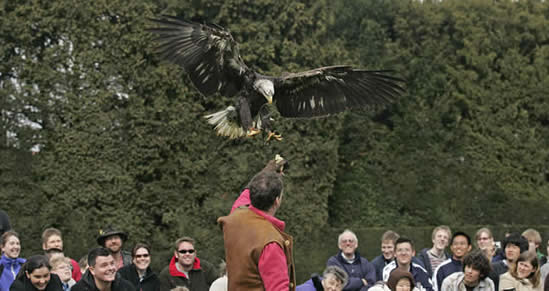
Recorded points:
(185,251)
(347,241)
(142,256)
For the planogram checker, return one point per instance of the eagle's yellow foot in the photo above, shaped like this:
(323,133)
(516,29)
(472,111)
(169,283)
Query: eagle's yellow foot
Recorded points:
(273,134)
(253,132)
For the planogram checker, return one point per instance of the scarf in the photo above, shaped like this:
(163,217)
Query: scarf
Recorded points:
(11,268)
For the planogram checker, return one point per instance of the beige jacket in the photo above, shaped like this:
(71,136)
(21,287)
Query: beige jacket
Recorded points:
(508,282)
(454,282)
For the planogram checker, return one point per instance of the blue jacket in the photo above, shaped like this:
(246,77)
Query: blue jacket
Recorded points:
(499,256)
(358,270)
(419,273)
(446,269)
(379,263)
(10,268)
(313,284)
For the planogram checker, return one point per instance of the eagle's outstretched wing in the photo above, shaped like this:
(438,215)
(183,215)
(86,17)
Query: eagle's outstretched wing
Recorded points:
(208,53)
(323,91)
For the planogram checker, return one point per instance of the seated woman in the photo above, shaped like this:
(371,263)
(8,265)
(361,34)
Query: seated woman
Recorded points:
(333,279)
(35,275)
(10,263)
(398,280)
(139,273)
(522,276)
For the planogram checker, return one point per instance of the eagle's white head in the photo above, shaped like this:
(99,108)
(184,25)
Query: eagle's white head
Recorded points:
(266,88)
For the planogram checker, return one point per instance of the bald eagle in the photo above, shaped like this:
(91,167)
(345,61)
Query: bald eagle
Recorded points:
(210,56)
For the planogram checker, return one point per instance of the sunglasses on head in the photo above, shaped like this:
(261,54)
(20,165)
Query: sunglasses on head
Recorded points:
(142,256)
(185,251)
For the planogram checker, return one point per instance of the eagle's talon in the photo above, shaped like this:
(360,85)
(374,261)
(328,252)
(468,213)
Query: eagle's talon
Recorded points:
(273,134)
(253,132)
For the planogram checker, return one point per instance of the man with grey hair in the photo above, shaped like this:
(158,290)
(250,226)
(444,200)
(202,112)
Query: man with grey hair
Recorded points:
(333,279)
(361,273)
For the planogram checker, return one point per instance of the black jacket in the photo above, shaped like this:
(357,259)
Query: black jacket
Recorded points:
(87,283)
(200,277)
(498,269)
(149,283)
(24,284)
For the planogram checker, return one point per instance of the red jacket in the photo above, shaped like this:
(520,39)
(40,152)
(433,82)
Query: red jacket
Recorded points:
(76,273)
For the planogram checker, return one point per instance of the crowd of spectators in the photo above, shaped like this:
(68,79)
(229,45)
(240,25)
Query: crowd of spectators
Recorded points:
(472,264)
(454,262)
(108,267)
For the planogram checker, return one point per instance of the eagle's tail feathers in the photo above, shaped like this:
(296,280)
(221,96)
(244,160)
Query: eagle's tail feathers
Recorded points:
(224,125)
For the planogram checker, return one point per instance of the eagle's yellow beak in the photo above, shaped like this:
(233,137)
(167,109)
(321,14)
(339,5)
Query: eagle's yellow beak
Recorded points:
(269,99)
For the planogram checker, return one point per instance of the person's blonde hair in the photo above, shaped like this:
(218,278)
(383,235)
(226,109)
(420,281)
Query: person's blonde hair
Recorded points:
(389,236)
(483,230)
(532,234)
(58,260)
(439,228)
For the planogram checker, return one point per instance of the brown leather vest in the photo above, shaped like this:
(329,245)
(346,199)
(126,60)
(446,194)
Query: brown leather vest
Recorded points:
(245,234)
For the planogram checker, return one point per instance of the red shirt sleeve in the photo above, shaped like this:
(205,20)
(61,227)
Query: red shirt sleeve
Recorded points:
(273,268)
(243,199)
(76,274)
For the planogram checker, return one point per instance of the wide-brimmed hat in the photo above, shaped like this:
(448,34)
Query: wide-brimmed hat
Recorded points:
(110,231)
